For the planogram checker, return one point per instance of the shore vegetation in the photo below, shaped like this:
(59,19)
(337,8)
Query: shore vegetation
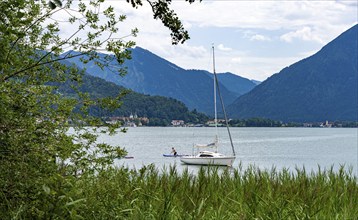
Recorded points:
(212,193)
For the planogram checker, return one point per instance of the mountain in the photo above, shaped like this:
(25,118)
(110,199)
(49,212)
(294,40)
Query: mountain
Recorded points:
(150,74)
(234,83)
(160,110)
(318,88)
(255,82)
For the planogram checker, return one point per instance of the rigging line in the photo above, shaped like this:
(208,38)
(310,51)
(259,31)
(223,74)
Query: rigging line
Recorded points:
(223,108)
(215,107)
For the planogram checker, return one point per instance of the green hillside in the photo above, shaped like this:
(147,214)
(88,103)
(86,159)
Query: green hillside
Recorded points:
(160,110)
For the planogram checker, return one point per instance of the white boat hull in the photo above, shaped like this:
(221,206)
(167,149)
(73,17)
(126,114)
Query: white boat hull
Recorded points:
(218,161)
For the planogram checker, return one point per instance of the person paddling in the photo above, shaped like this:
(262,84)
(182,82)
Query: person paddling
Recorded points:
(174,151)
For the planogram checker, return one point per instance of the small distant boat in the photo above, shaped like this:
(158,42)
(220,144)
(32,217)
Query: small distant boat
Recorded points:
(172,155)
(213,157)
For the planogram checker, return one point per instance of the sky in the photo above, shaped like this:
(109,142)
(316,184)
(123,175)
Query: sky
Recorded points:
(253,39)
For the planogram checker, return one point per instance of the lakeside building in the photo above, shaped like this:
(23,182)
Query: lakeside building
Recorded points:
(326,125)
(178,123)
(220,123)
(307,125)
(131,121)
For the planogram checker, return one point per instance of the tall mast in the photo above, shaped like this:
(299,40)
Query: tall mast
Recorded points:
(216,85)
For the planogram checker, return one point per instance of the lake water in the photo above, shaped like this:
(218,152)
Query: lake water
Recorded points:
(262,147)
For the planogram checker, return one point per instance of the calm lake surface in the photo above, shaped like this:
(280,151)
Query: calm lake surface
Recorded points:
(262,147)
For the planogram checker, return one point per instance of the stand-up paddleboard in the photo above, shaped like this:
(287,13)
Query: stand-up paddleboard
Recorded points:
(172,155)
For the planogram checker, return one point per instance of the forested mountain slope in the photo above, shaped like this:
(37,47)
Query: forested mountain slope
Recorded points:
(318,88)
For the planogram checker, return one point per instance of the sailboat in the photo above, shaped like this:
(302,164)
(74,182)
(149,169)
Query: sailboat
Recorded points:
(206,157)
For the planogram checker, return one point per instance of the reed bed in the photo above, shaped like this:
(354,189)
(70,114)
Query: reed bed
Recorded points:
(150,193)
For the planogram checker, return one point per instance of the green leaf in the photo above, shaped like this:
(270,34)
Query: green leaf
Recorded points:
(46,189)
(52,5)
(58,3)
(74,202)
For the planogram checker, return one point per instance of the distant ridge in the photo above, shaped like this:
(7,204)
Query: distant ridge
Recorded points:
(255,81)
(153,75)
(318,88)
(237,84)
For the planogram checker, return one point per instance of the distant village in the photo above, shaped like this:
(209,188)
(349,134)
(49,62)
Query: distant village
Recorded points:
(133,120)
(130,121)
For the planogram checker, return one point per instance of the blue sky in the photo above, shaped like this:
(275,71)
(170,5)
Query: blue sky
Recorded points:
(253,39)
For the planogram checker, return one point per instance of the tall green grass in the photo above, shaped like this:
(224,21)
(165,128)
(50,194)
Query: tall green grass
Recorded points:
(150,193)
(212,193)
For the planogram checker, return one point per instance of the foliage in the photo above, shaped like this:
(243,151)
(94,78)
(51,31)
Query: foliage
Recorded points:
(230,194)
(161,10)
(212,193)
(255,122)
(346,124)
(264,122)
(40,158)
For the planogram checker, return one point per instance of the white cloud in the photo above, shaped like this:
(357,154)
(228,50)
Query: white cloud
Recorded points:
(223,48)
(263,14)
(304,33)
(236,60)
(259,37)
